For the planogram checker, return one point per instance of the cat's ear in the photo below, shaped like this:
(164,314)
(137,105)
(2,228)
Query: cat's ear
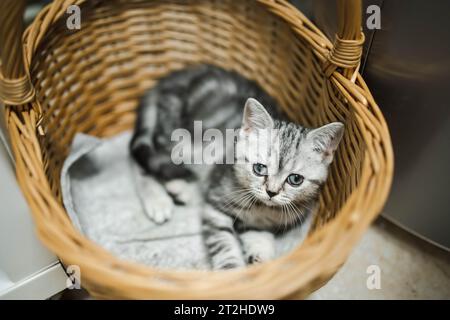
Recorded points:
(255,116)
(325,140)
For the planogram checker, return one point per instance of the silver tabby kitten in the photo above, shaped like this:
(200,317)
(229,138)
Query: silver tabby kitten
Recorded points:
(274,182)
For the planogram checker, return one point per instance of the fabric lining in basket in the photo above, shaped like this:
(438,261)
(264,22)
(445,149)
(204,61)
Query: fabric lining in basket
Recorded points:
(99,196)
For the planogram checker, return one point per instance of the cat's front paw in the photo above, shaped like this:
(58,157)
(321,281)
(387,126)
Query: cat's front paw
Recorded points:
(183,192)
(228,265)
(256,258)
(160,209)
(258,246)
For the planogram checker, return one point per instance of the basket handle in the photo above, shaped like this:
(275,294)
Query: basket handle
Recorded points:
(15,84)
(16,88)
(348,43)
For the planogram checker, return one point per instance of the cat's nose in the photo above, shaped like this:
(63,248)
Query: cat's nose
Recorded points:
(271,193)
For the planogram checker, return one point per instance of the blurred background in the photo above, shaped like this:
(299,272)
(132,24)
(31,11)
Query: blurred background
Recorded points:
(406,65)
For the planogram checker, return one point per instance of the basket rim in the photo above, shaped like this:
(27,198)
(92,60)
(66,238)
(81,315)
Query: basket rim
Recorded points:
(369,196)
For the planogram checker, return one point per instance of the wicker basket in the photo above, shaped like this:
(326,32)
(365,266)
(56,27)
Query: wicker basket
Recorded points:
(56,82)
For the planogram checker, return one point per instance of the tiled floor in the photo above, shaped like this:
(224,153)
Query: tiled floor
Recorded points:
(409,268)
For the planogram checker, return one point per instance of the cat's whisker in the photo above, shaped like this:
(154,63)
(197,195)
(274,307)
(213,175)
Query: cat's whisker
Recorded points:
(294,212)
(235,201)
(294,215)
(289,215)
(237,191)
(299,215)
(253,203)
(240,199)
(243,207)
(285,215)
(298,212)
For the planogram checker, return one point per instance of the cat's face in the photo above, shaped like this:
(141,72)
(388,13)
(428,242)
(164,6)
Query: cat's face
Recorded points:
(281,163)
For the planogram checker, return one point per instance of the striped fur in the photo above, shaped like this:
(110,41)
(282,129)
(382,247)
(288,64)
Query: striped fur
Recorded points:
(243,210)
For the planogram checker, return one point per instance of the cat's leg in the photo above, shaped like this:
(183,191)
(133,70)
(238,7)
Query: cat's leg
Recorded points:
(259,246)
(221,240)
(156,202)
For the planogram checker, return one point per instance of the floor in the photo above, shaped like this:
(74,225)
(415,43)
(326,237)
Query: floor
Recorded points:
(408,268)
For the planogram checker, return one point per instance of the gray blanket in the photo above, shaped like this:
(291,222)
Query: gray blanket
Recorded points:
(102,201)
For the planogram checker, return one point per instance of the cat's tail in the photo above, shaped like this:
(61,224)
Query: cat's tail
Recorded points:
(157,163)
(141,145)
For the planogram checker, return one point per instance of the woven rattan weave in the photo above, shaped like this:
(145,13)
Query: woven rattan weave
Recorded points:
(56,82)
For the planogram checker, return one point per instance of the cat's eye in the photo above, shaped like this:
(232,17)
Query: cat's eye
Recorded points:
(295,179)
(259,169)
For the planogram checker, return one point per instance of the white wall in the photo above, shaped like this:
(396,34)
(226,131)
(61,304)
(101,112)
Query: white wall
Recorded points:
(27,268)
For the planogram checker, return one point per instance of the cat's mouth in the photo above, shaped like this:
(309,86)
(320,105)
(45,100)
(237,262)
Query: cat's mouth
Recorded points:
(276,201)
(272,202)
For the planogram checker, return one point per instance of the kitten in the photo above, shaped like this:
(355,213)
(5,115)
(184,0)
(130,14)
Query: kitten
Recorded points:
(202,92)
(275,186)
(274,182)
